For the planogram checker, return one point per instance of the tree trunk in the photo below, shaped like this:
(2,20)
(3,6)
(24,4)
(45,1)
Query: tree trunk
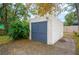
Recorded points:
(77,10)
(5,17)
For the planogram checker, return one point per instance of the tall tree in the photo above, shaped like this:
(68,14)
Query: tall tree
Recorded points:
(5,16)
(70,19)
(11,12)
(45,8)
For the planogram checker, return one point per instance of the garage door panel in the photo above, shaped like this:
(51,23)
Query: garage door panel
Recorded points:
(39,31)
(42,37)
(35,27)
(34,35)
(43,27)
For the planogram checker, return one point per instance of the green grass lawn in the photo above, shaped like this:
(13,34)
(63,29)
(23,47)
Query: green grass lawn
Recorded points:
(4,39)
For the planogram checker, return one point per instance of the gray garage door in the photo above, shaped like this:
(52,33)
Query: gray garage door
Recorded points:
(39,31)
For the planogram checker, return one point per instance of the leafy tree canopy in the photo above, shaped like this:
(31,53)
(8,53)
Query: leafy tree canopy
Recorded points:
(70,18)
(45,8)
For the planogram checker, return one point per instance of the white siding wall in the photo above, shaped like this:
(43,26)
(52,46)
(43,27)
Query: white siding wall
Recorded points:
(57,28)
(49,32)
(30,30)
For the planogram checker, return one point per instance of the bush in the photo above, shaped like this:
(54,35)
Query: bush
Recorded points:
(19,29)
(77,34)
(76,39)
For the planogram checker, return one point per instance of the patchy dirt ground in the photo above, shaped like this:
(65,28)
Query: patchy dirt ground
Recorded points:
(64,46)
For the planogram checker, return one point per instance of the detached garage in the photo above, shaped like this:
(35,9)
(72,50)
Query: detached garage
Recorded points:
(47,29)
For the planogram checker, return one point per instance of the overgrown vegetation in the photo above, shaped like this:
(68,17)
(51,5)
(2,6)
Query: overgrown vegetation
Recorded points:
(71,19)
(5,39)
(19,29)
(14,17)
(76,39)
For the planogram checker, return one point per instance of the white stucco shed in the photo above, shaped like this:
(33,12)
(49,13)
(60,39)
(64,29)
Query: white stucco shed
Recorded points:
(47,29)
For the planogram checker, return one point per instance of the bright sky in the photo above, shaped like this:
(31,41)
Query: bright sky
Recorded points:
(62,15)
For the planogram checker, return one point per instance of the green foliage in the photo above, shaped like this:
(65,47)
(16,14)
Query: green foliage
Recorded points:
(70,18)
(19,29)
(2,26)
(44,8)
(77,34)
(14,17)
(76,39)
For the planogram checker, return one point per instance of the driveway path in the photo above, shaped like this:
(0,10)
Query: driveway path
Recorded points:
(26,47)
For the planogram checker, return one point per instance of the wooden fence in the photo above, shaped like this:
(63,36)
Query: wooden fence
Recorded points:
(71,29)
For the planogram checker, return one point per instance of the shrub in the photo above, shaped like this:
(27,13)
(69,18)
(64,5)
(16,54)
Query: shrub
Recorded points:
(19,29)
(76,39)
(77,34)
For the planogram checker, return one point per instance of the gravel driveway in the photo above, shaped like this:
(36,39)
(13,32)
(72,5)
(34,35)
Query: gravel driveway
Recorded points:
(26,47)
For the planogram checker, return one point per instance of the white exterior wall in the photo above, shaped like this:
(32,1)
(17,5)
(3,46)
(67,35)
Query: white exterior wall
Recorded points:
(30,30)
(54,28)
(49,32)
(57,30)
